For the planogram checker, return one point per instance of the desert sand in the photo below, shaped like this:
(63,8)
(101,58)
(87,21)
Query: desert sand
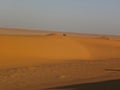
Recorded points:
(34,60)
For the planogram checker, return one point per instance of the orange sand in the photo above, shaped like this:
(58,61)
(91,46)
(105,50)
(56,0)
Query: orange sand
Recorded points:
(35,59)
(20,48)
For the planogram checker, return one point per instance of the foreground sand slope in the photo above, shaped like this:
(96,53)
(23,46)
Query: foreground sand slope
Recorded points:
(26,50)
(52,75)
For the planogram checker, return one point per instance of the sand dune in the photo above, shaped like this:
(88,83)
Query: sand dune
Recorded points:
(19,49)
(55,58)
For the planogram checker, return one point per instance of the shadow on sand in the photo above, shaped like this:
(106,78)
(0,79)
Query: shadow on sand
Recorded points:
(106,85)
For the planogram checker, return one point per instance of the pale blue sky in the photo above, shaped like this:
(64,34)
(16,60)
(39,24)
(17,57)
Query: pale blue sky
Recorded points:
(85,16)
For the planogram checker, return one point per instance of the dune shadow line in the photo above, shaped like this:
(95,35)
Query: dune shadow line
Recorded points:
(105,85)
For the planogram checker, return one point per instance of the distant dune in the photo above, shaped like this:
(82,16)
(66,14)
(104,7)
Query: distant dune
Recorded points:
(55,47)
(27,49)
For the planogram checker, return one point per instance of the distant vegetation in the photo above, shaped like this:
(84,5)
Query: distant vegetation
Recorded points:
(105,37)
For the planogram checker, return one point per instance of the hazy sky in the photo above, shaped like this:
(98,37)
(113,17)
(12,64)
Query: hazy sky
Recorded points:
(86,16)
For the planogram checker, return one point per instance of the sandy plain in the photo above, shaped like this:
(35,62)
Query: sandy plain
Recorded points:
(37,60)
